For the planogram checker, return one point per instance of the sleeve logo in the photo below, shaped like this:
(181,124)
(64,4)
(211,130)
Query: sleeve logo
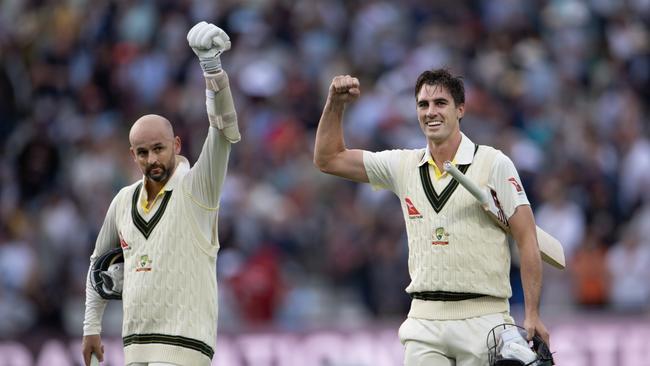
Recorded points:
(516,184)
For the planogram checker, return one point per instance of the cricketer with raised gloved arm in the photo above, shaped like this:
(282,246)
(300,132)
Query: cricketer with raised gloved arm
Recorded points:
(166,227)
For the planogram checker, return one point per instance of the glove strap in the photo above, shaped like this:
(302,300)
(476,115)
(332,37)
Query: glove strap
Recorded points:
(211,64)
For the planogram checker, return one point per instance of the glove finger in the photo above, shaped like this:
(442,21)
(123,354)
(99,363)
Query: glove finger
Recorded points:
(206,36)
(218,42)
(222,40)
(192,35)
(199,35)
(195,40)
(222,34)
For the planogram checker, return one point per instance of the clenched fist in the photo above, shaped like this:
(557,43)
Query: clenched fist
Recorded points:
(208,42)
(344,89)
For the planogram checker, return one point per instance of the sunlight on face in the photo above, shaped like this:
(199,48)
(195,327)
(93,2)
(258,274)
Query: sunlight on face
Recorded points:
(438,115)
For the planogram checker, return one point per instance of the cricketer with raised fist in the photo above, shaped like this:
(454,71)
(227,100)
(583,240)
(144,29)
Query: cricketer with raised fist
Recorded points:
(166,226)
(458,259)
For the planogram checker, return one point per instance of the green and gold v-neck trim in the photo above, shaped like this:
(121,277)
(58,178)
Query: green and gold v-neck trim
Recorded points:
(146,227)
(438,201)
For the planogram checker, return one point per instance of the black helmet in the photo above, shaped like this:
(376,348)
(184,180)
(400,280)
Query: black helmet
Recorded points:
(108,273)
(540,352)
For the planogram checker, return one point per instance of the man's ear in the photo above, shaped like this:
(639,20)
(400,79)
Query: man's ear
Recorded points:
(132,152)
(461,110)
(177,145)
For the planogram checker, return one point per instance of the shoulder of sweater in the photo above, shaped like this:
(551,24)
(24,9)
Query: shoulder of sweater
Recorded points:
(126,192)
(490,152)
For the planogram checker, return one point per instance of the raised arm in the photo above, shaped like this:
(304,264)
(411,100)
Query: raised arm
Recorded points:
(522,227)
(330,153)
(207,176)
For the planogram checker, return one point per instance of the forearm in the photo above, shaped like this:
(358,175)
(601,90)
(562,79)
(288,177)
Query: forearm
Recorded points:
(531,275)
(207,176)
(329,135)
(95,307)
(522,226)
(220,105)
(107,239)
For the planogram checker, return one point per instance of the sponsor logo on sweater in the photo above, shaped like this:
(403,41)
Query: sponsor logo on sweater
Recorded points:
(412,211)
(123,243)
(516,184)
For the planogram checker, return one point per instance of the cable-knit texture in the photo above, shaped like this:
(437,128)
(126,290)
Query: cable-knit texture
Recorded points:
(472,255)
(170,290)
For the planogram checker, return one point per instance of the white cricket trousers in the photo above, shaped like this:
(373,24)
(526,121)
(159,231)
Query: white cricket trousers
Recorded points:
(152,364)
(448,342)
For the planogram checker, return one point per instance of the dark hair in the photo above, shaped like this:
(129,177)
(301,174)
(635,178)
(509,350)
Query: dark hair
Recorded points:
(442,77)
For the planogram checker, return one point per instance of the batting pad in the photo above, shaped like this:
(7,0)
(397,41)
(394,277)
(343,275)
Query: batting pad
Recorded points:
(220,106)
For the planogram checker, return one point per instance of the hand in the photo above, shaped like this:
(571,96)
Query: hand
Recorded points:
(344,89)
(92,344)
(208,42)
(534,325)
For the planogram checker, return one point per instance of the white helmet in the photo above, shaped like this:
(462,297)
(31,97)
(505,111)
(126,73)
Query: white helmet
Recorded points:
(507,346)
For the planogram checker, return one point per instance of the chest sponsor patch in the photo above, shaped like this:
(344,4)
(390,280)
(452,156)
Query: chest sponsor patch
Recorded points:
(412,211)
(123,243)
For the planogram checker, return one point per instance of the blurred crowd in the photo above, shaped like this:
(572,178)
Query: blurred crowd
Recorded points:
(561,86)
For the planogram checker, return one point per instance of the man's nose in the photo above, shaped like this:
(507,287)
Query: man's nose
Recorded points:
(152,158)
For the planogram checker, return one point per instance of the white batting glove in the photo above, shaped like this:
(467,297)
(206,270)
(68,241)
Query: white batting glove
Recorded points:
(208,42)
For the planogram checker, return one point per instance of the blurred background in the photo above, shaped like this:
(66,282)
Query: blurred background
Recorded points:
(312,269)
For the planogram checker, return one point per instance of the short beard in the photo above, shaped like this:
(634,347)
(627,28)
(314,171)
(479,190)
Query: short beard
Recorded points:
(159,178)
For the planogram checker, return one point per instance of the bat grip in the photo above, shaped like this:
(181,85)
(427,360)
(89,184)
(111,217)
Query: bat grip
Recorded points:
(479,194)
(93,360)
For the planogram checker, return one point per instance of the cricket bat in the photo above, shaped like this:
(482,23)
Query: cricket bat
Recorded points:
(93,360)
(550,248)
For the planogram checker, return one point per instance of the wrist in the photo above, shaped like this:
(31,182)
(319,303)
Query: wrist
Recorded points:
(334,105)
(211,65)
(531,314)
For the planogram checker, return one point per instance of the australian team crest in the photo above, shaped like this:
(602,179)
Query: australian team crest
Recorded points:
(440,236)
(143,264)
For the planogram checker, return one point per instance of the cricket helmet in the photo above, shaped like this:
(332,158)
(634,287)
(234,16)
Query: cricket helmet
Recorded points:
(107,275)
(502,353)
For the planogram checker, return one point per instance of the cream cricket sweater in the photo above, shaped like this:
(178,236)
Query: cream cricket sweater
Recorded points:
(170,290)
(453,245)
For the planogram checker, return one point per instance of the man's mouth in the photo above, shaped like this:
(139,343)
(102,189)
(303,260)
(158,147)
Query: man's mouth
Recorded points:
(434,123)
(155,170)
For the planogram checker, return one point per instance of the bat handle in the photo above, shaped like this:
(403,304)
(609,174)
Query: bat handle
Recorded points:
(93,360)
(465,182)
